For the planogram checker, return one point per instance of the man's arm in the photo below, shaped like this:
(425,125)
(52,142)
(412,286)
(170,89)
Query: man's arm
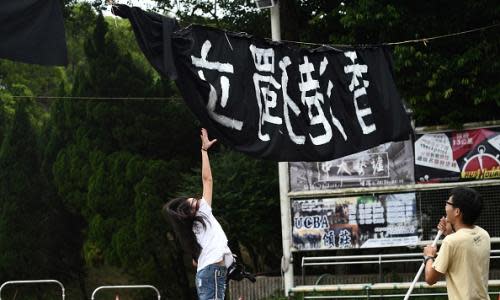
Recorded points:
(431,275)
(206,172)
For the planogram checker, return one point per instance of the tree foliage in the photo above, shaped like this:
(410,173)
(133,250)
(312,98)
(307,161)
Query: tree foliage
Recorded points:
(82,180)
(246,201)
(22,219)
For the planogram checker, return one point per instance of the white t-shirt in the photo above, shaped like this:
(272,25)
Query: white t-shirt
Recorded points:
(213,240)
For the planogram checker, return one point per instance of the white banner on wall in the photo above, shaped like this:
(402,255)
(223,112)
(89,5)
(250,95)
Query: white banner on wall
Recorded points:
(355,222)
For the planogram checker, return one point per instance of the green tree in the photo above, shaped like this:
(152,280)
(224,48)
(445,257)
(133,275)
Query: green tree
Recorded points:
(22,210)
(246,203)
(64,226)
(118,159)
(118,180)
(109,71)
(446,81)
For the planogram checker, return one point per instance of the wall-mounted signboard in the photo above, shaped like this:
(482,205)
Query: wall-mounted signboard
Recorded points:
(458,155)
(355,222)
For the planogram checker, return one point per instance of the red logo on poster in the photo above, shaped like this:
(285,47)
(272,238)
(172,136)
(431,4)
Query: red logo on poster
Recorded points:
(482,165)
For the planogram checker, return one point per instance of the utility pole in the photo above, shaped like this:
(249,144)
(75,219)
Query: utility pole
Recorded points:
(275,22)
(286,230)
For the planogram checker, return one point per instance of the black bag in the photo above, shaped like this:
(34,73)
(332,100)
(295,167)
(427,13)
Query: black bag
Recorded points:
(236,271)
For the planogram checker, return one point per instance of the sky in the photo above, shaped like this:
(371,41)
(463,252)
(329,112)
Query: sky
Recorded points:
(147,5)
(144,4)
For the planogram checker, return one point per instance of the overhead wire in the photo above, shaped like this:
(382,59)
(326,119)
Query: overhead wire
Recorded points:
(420,40)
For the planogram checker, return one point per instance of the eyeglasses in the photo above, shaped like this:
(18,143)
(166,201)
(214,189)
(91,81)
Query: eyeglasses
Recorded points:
(450,203)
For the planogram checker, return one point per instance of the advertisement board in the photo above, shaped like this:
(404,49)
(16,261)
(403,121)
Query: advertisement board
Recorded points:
(458,155)
(355,222)
(387,164)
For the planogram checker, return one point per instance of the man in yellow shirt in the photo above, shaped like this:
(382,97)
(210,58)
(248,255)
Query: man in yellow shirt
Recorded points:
(464,256)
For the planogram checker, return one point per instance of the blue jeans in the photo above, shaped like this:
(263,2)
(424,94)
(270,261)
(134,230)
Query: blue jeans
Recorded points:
(211,282)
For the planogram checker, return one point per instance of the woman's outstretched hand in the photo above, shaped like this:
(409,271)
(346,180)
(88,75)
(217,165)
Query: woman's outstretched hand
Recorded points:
(205,142)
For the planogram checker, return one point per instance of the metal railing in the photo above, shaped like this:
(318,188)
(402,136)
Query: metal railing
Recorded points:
(369,287)
(368,259)
(368,290)
(12,282)
(359,259)
(125,287)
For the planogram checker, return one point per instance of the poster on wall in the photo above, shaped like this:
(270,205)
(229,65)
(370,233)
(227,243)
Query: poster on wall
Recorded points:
(355,222)
(387,164)
(458,155)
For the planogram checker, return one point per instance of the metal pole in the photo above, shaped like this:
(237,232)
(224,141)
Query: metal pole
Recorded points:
(286,230)
(422,267)
(108,287)
(275,22)
(33,281)
(380,268)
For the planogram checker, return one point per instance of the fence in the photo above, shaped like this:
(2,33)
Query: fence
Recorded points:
(104,287)
(116,287)
(381,290)
(264,287)
(431,208)
(16,282)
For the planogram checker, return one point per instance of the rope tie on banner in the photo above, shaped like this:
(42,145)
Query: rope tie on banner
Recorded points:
(230,46)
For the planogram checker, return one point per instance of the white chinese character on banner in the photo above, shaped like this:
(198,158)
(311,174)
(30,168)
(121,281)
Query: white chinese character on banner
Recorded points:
(288,103)
(202,62)
(313,100)
(266,97)
(342,168)
(335,121)
(325,167)
(360,166)
(359,89)
(377,165)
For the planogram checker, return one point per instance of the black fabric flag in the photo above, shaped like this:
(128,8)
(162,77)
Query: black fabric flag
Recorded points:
(275,100)
(32,31)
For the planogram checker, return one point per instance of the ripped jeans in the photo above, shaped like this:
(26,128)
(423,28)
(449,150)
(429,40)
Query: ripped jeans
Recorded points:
(211,282)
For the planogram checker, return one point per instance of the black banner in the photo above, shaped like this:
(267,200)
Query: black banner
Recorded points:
(32,31)
(276,100)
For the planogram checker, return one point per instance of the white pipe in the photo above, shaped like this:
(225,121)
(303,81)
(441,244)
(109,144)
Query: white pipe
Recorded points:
(422,267)
(147,286)
(33,281)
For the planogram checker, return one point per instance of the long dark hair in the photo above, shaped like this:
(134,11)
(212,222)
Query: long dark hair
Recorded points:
(179,213)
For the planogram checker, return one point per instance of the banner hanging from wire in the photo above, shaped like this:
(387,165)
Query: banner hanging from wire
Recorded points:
(275,100)
(32,31)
